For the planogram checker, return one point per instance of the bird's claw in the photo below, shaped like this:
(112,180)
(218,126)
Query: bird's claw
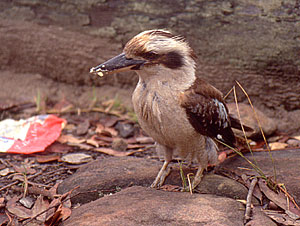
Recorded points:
(161,177)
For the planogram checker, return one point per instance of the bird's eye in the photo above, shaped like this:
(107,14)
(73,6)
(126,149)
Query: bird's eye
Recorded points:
(150,56)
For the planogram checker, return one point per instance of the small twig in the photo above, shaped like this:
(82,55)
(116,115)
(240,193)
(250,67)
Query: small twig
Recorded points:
(9,185)
(249,198)
(9,217)
(17,181)
(25,185)
(26,181)
(35,190)
(288,195)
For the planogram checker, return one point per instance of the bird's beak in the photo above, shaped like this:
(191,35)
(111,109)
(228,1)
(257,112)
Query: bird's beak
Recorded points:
(117,64)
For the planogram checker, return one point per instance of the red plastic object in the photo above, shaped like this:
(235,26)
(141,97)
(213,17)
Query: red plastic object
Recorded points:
(30,135)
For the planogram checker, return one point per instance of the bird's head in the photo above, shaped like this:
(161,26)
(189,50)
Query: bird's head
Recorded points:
(151,51)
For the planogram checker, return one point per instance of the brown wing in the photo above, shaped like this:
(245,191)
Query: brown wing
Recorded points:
(207,112)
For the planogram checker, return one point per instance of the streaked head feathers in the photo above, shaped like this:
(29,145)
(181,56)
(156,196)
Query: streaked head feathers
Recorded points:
(149,44)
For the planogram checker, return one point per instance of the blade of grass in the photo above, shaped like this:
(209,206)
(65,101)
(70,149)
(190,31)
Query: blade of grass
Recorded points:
(242,125)
(183,179)
(38,101)
(261,130)
(255,167)
(228,93)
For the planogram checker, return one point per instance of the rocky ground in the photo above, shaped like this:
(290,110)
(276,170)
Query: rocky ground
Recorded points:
(99,171)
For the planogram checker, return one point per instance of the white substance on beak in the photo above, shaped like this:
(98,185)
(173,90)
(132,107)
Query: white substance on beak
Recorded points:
(100,73)
(92,70)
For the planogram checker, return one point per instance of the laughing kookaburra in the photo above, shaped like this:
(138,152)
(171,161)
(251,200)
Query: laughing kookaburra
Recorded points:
(181,112)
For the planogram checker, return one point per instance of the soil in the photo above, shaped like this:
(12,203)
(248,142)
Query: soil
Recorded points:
(47,169)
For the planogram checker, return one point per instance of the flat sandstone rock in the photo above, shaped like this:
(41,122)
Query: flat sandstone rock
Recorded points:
(146,206)
(108,174)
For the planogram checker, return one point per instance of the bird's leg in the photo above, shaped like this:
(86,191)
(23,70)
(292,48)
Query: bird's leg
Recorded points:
(161,176)
(198,177)
(165,170)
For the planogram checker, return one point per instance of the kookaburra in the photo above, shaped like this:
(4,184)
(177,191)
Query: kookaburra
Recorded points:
(180,111)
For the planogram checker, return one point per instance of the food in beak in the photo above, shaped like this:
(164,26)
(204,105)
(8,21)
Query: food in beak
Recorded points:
(117,64)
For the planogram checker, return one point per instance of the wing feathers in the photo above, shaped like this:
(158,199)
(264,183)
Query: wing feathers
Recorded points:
(207,112)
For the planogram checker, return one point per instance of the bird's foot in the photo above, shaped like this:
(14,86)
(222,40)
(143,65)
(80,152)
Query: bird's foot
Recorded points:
(196,181)
(161,177)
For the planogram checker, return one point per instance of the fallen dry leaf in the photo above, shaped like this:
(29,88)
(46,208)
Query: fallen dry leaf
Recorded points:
(277,145)
(70,139)
(99,128)
(16,209)
(54,218)
(111,131)
(62,213)
(279,199)
(47,158)
(40,205)
(83,127)
(2,202)
(24,169)
(70,127)
(93,142)
(144,140)
(6,171)
(106,131)
(52,211)
(281,218)
(259,218)
(53,190)
(104,138)
(110,121)
(57,147)
(3,219)
(76,158)
(113,152)
(65,212)
(135,146)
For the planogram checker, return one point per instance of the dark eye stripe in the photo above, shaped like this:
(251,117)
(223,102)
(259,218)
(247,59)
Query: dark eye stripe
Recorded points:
(150,55)
(173,60)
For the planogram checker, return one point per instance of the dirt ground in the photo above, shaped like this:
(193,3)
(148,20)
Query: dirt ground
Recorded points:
(103,129)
